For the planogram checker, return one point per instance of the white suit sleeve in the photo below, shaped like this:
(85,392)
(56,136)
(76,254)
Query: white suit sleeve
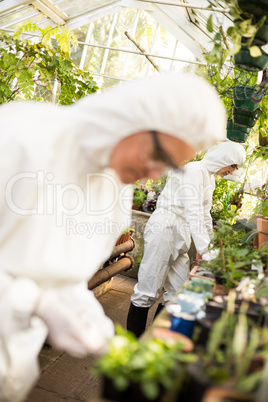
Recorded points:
(208,221)
(18,299)
(192,193)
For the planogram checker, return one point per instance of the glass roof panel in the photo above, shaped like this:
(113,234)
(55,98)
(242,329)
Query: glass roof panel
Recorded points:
(73,8)
(19,15)
(109,65)
(39,19)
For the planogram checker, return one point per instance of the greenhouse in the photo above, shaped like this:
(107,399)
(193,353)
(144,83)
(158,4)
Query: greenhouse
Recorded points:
(134,208)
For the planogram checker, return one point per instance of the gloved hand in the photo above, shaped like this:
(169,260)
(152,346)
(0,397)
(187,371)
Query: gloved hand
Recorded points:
(65,331)
(18,299)
(210,255)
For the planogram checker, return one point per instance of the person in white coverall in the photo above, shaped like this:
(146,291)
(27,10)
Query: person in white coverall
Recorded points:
(183,211)
(64,202)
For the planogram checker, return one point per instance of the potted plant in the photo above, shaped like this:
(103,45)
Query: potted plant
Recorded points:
(245,117)
(139,197)
(136,370)
(247,97)
(237,133)
(227,360)
(227,44)
(203,287)
(234,258)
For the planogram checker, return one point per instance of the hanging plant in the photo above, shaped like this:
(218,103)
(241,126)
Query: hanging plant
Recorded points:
(227,44)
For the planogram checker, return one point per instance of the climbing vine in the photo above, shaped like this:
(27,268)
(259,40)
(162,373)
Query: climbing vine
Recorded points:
(30,69)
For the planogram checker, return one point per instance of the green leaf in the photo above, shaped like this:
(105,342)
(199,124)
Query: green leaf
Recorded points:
(210,23)
(255,51)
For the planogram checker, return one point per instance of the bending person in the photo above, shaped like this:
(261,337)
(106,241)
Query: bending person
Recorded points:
(183,210)
(64,202)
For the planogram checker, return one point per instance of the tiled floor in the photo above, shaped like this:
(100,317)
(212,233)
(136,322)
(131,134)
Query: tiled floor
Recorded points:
(65,378)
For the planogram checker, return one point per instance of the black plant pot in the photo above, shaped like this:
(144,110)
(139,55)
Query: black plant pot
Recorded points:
(110,392)
(214,309)
(195,385)
(132,394)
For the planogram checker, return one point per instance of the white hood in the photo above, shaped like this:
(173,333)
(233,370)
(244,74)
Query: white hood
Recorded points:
(225,154)
(183,105)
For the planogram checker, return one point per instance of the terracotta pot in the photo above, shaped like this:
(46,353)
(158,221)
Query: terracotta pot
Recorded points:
(136,207)
(262,227)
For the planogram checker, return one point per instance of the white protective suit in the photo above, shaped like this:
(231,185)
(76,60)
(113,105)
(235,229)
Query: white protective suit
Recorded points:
(62,208)
(183,210)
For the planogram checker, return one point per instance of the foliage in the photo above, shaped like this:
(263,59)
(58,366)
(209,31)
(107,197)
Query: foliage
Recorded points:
(234,257)
(149,363)
(244,26)
(230,349)
(30,66)
(141,192)
(139,196)
(226,200)
(248,226)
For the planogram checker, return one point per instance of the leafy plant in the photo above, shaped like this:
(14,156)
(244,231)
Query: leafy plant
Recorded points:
(226,200)
(234,257)
(139,196)
(150,363)
(230,349)
(29,69)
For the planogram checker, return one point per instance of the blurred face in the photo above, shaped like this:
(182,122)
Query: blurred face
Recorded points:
(141,155)
(227,170)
